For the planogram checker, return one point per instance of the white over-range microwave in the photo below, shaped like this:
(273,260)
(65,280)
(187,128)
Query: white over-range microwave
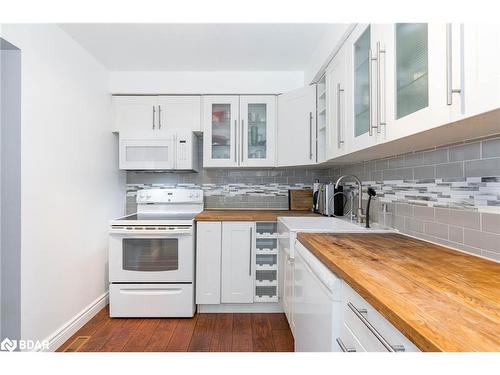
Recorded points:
(171,150)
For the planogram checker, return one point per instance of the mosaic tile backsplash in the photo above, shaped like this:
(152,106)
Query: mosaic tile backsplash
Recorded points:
(463,176)
(420,193)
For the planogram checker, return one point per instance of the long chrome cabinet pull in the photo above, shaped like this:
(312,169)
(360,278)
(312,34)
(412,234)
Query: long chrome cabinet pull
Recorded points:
(344,348)
(383,341)
(310,135)
(236,142)
(339,117)
(250,260)
(449,66)
(370,98)
(380,51)
(242,136)
(159,117)
(154,113)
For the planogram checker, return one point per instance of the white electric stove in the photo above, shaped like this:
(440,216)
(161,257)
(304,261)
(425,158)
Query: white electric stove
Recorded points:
(151,255)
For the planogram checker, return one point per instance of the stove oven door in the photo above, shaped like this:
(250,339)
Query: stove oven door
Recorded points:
(151,257)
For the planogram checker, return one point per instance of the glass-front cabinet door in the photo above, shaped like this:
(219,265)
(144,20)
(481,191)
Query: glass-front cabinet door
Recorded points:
(220,118)
(413,82)
(258,125)
(362,133)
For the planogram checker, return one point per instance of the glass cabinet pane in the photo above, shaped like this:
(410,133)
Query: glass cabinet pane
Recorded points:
(362,84)
(257,131)
(412,82)
(221,131)
(150,255)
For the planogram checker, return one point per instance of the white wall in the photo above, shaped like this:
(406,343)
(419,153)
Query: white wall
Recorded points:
(176,82)
(71,185)
(325,51)
(10,192)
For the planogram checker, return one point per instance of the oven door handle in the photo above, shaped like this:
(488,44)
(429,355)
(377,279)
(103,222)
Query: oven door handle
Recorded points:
(151,292)
(148,233)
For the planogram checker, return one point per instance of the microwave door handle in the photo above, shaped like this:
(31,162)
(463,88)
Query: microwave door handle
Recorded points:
(145,233)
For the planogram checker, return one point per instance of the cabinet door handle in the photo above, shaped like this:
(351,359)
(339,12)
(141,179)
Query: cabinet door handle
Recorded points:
(154,112)
(370,98)
(250,256)
(380,51)
(310,135)
(449,66)
(236,142)
(344,348)
(383,341)
(242,137)
(159,117)
(339,117)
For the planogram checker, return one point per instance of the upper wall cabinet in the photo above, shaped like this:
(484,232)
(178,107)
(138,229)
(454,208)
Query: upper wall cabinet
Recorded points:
(475,66)
(156,113)
(239,131)
(339,106)
(297,127)
(412,80)
(360,133)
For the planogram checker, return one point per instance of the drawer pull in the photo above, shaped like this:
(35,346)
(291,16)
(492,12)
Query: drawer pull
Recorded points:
(343,347)
(383,341)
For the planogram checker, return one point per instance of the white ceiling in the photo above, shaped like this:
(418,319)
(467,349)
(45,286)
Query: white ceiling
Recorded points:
(200,47)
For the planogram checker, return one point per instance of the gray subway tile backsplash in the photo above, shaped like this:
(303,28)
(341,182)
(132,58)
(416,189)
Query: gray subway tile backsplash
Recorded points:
(421,173)
(450,170)
(490,222)
(456,234)
(484,167)
(436,230)
(414,160)
(482,240)
(491,148)
(468,151)
(449,195)
(436,156)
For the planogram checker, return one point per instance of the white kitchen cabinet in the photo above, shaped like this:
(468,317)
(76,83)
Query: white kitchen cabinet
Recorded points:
(135,113)
(322,117)
(238,266)
(156,113)
(359,50)
(368,328)
(478,47)
(410,79)
(208,262)
(180,112)
(339,105)
(289,290)
(220,126)
(258,136)
(297,127)
(239,131)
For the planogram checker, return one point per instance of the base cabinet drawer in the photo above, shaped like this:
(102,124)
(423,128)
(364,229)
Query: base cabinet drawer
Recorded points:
(151,300)
(372,330)
(347,342)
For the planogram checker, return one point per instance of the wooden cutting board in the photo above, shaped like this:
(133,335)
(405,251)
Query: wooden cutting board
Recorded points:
(300,200)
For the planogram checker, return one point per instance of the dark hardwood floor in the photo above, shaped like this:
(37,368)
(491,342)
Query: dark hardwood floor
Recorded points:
(202,333)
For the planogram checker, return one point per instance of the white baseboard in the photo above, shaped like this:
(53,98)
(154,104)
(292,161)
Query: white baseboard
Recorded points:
(74,324)
(242,308)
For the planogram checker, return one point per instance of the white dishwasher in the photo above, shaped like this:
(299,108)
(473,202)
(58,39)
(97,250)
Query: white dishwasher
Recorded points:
(317,304)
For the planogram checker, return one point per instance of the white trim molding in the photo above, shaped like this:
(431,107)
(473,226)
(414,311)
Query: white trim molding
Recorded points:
(78,321)
(258,307)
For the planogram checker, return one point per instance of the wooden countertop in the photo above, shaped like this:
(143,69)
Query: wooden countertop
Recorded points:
(442,300)
(248,215)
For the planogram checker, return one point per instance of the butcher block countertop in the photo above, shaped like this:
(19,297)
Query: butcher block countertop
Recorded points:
(442,300)
(248,215)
